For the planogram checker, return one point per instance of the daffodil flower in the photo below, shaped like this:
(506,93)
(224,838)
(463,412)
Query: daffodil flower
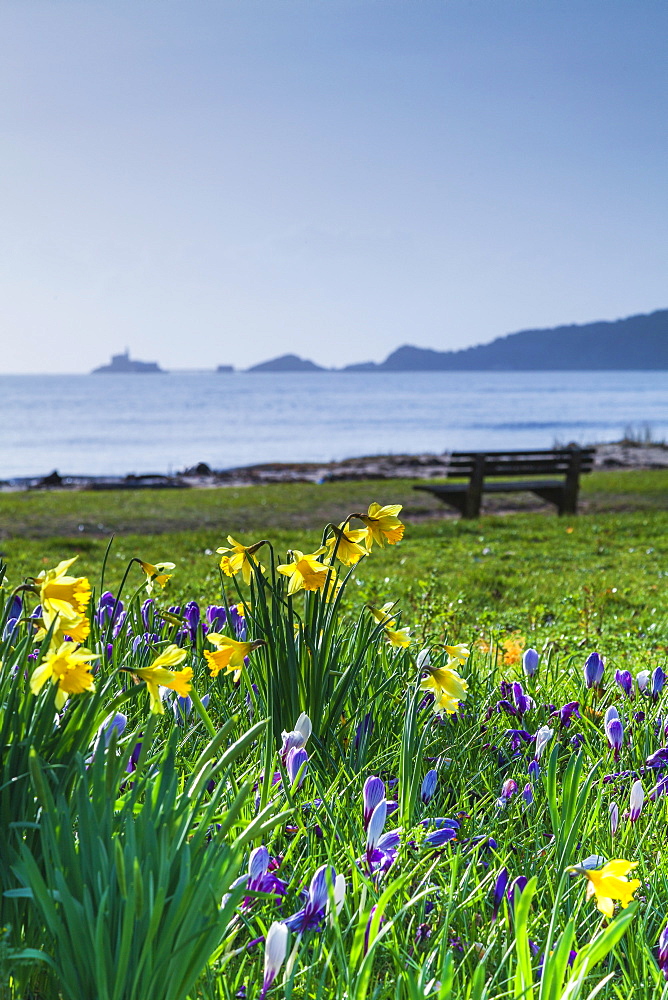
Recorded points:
(77,629)
(229,655)
(383,524)
(346,543)
(398,637)
(459,652)
(156,574)
(157,676)
(69,668)
(447,687)
(305,572)
(63,595)
(239,561)
(610,883)
(383,615)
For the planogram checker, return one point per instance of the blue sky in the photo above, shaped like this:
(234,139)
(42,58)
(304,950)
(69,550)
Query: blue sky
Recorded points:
(220,182)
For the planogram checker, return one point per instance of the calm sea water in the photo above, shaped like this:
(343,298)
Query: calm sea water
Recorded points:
(96,425)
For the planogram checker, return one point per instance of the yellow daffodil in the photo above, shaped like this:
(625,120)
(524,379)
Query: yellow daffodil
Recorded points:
(157,676)
(383,615)
(230,653)
(305,572)
(345,542)
(610,883)
(69,668)
(63,595)
(239,561)
(400,637)
(459,652)
(241,608)
(156,574)
(78,628)
(447,687)
(383,524)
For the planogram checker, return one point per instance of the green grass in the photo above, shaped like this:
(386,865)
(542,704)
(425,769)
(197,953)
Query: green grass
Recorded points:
(598,577)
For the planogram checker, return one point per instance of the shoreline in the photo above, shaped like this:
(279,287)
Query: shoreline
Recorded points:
(610,455)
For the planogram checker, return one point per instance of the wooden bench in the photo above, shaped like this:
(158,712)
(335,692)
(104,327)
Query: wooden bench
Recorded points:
(479,466)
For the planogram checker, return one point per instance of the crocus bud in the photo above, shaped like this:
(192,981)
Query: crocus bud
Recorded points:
(530,662)
(257,864)
(543,737)
(275,950)
(293,763)
(527,794)
(662,957)
(429,786)
(658,680)
(614,730)
(593,670)
(508,789)
(614,818)
(374,791)
(376,825)
(515,890)
(625,681)
(499,891)
(533,770)
(439,837)
(297,737)
(637,799)
(642,680)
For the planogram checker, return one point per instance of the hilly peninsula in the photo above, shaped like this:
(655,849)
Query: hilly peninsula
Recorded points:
(634,343)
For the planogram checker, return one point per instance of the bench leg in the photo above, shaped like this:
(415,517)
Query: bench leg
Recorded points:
(474,492)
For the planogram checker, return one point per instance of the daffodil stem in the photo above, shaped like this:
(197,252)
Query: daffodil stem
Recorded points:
(202,712)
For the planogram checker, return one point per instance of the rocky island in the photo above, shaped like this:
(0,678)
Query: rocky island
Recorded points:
(122,364)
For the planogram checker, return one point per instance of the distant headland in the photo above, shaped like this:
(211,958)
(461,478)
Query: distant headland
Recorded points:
(121,364)
(637,343)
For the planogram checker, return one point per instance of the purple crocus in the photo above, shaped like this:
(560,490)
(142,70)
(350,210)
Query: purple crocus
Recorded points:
(312,914)
(437,838)
(429,786)
(275,950)
(530,660)
(662,957)
(515,890)
(613,809)
(527,794)
(216,617)
(296,738)
(499,891)
(517,738)
(658,680)
(373,793)
(508,789)
(107,607)
(191,614)
(523,702)
(593,670)
(661,788)
(566,713)
(533,770)
(114,725)
(642,680)
(637,799)
(614,730)
(625,681)
(658,759)
(295,760)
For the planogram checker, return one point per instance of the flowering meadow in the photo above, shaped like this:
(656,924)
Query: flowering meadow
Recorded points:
(285,794)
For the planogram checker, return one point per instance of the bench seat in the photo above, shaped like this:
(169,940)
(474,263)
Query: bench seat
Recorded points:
(467,497)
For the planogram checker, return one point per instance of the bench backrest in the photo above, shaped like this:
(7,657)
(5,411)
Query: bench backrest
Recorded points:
(522,463)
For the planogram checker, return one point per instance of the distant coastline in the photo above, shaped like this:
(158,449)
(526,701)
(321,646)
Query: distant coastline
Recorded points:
(636,343)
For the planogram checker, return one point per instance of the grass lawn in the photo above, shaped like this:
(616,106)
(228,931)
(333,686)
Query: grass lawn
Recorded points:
(597,578)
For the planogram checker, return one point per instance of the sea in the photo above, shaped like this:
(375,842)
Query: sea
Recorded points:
(119,424)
